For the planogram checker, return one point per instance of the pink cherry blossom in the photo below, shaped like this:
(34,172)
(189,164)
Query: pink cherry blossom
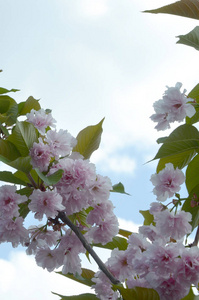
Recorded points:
(188,266)
(40,155)
(173,107)
(103,288)
(105,231)
(9,201)
(177,102)
(167,182)
(40,119)
(100,189)
(47,202)
(174,226)
(161,115)
(100,212)
(118,265)
(60,143)
(47,258)
(13,231)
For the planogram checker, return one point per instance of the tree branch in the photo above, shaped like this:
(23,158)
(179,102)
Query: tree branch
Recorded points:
(87,246)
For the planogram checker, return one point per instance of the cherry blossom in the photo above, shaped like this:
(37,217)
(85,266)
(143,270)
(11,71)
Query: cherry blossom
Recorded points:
(167,182)
(60,143)
(47,202)
(40,119)
(40,155)
(173,107)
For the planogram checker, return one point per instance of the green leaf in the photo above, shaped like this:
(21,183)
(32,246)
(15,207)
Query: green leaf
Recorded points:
(88,140)
(193,210)
(4,130)
(191,296)
(4,105)
(125,233)
(5,91)
(22,164)
(117,242)
(119,188)
(194,94)
(79,297)
(148,218)
(23,209)
(9,114)
(179,148)
(26,106)
(9,177)
(179,160)
(52,179)
(161,140)
(84,278)
(192,174)
(190,39)
(8,151)
(183,8)
(139,293)
(22,176)
(23,137)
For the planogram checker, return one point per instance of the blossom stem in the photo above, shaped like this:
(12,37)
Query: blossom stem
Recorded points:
(196,240)
(32,180)
(87,246)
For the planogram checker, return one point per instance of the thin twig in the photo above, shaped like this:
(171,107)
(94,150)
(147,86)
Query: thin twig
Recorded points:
(31,180)
(87,246)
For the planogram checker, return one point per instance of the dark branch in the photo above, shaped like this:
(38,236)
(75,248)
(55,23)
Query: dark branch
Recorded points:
(87,246)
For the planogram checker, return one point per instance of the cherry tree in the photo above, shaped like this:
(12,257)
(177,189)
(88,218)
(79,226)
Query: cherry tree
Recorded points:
(56,181)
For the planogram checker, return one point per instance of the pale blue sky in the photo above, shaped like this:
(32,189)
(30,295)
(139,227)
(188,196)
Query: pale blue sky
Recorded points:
(89,59)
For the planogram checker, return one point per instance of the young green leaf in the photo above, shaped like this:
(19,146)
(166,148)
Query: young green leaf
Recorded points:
(139,293)
(23,137)
(26,106)
(183,8)
(8,110)
(119,188)
(84,278)
(8,151)
(190,39)
(179,148)
(79,297)
(23,209)
(9,177)
(194,94)
(192,174)
(148,218)
(22,164)
(191,296)
(88,140)
(5,91)
(124,233)
(51,179)
(117,242)
(193,210)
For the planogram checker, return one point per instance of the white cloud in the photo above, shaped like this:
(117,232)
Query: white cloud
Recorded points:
(22,279)
(93,8)
(128,225)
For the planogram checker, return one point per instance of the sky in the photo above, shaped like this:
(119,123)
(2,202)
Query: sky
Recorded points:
(86,60)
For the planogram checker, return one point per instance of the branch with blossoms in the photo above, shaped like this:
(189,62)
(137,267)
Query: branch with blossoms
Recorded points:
(56,181)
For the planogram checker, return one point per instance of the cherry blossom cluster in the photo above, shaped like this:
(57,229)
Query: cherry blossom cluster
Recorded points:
(172,107)
(155,258)
(81,194)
